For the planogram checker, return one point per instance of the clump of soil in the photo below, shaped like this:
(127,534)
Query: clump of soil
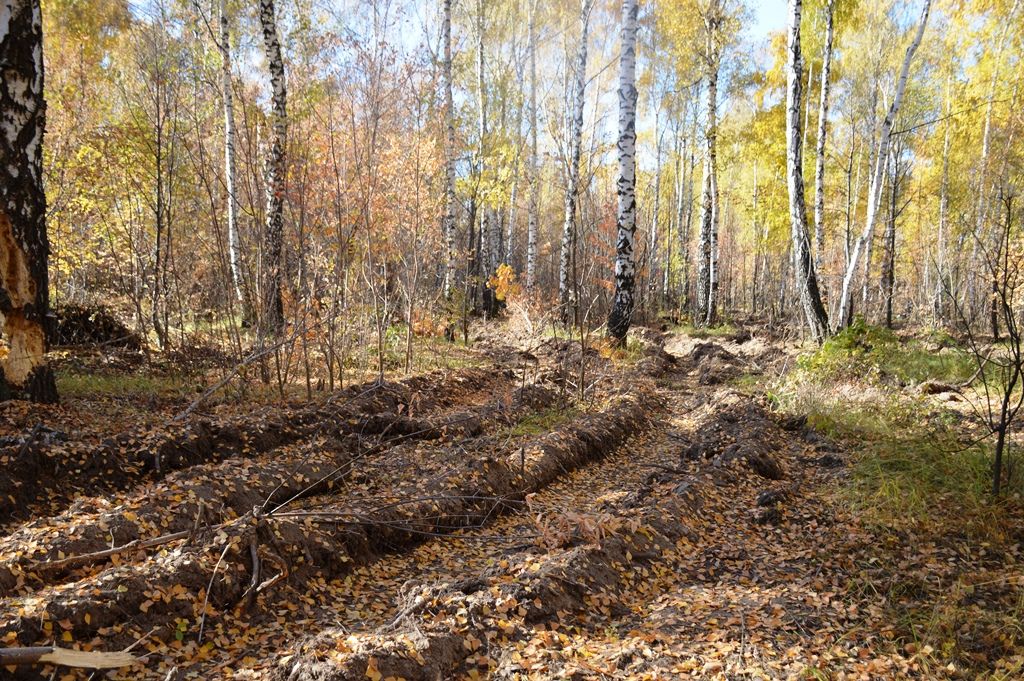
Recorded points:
(90,325)
(449,629)
(714,364)
(655,361)
(741,430)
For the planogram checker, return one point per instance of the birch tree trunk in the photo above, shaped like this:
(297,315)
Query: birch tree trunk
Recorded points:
(889,254)
(685,299)
(655,236)
(24,247)
(272,321)
(675,223)
(511,233)
(707,276)
(878,172)
(533,219)
(819,159)
(230,174)
(625,245)
(806,279)
(485,217)
(566,294)
(448,228)
(940,259)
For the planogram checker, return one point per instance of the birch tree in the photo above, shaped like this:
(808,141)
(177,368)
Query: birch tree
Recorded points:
(878,172)
(24,247)
(566,298)
(625,243)
(485,221)
(819,159)
(707,248)
(230,165)
(272,320)
(807,281)
(534,209)
(448,228)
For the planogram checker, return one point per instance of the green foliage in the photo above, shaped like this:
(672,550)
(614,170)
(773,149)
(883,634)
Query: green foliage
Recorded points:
(542,421)
(913,468)
(119,385)
(912,462)
(869,352)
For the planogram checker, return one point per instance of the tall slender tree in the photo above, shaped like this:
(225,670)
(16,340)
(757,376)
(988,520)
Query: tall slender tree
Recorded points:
(230,165)
(486,242)
(819,158)
(807,281)
(566,298)
(24,247)
(448,228)
(707,248)
(272,318)
(534,217)
(878,172)
(625,243)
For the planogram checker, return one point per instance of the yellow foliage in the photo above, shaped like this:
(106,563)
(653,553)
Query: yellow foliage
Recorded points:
(504,283)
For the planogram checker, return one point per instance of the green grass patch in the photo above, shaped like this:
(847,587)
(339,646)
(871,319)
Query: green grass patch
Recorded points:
(912,461)
(542,422)
(120,385)
(867,352)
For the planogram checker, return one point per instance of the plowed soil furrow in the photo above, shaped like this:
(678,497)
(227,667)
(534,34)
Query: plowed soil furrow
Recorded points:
(604,497)
(210,494)
(480,549)
(588,499)
(166,586)
(41,473)
(671,483)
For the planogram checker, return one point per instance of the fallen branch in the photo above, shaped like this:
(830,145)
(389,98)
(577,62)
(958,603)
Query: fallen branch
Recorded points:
(17,657)
(87,558)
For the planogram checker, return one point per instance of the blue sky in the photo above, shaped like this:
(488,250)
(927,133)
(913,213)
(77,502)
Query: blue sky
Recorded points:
(769,16)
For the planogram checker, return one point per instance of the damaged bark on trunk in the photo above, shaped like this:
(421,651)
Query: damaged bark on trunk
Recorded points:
(24,247)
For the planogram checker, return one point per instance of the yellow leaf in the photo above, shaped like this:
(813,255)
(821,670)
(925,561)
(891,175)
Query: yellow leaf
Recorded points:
(372,672)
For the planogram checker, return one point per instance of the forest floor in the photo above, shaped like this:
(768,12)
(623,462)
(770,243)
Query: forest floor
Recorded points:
(715,506)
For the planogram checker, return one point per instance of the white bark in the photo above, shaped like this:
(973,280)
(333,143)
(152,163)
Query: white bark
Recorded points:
(484,207)
(940,264)
(625,245)
(653,247)
(533,219)
(234,249)
(878,172)
(565,274)
(819,162)
(272,321)
(806,280)
(448,228)
(707,271)
(24,247)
